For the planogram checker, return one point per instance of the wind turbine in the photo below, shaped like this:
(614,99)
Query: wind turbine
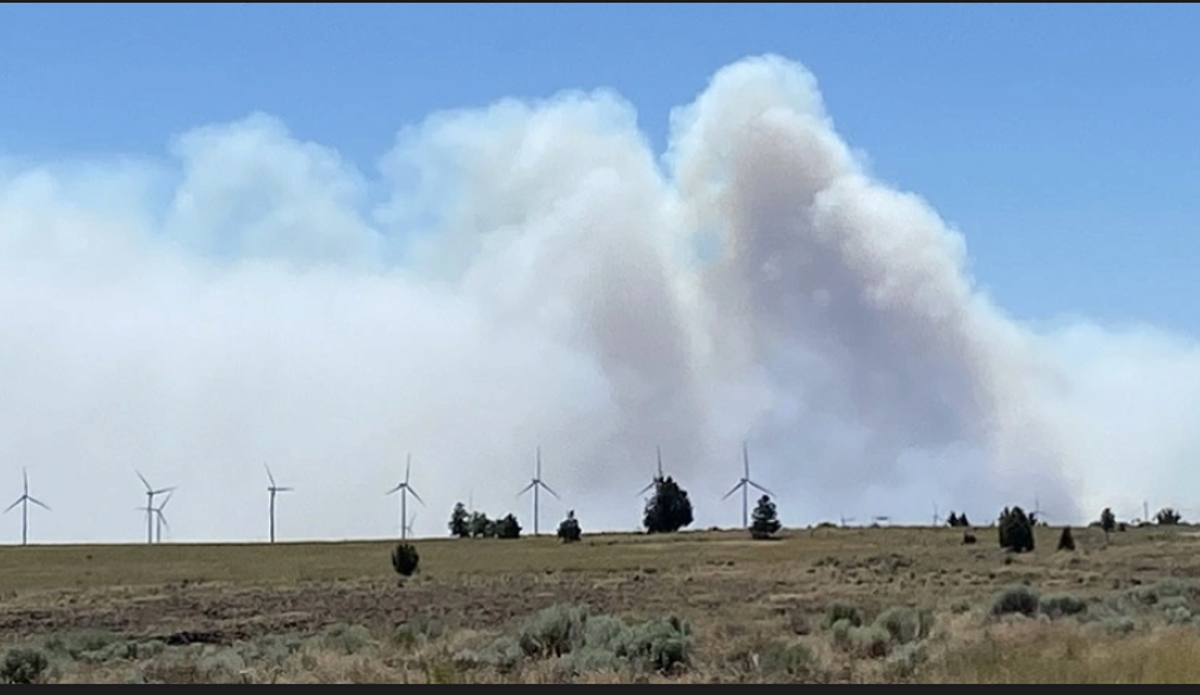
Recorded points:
(535,485)
(744,485)
(411,520)
(405,490)
(937,518)
(160,519)
(1038,514)
(657,478)
(846,520)
(150,493)
(272,488)
(24,501)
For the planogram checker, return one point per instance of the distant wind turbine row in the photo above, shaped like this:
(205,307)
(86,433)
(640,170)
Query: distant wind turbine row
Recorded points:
(156,521)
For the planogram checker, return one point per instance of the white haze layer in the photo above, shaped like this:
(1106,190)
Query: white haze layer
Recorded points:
(535,277)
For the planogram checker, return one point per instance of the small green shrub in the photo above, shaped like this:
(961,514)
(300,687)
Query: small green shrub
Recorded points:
(580,641)
(836,612)
(222,667)
(658,643)
(553,632)
(1062,605)
(777,658)
(1017,599)
(1121,625)
(24,666)
(840,633)
(78,643)
(872,642)
(350,639)
(902,663)
(906,625)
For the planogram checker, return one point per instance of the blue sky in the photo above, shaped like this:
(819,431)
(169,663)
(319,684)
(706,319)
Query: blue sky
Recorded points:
(1064,141)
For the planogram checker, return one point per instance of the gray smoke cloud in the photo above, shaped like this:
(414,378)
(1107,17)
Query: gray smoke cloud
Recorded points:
(533,277)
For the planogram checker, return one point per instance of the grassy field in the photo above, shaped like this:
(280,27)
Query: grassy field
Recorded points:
(917,606)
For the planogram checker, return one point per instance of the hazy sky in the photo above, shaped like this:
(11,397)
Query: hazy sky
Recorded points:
(912,254)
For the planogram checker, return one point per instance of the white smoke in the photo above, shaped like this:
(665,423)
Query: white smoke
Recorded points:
(534,279)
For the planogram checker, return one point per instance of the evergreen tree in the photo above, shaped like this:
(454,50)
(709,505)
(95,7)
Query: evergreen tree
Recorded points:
(481,526)
(1168,517)
(766,520)
(1016,531)
(460,522)
(1108,522)
(569,530)
(508,527)
(405,559)
(670,509)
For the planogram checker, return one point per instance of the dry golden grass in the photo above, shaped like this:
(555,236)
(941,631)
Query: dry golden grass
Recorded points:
(741,598)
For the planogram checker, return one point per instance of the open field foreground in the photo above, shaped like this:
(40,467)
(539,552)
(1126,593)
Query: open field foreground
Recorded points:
(829,605)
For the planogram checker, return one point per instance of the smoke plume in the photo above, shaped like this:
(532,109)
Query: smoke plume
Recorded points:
(534,277)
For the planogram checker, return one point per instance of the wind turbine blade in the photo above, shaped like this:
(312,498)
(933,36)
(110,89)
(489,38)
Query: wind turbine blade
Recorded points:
(14,505)
(646,489)
(40,504)
(735,489)
(408,469)
(659,451)
(394,490)
(269,476)
(552,492)
(761,488)
(527,488)
(539,463)
(746,459)
(283,489)
(25,477)
(144,480)
(414,494)
(168,499)
(163,519)
(165,489)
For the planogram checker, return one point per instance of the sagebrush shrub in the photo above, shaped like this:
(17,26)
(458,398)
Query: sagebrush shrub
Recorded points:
(1017,599)
(24,666)
(906,625)
(1062,605)
(837,612)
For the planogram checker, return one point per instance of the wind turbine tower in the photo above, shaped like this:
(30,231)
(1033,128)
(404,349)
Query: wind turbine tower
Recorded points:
(744,485)
(405,490)
(150,494)
(160,519)
(273,489)
(535,485)
(24,501)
